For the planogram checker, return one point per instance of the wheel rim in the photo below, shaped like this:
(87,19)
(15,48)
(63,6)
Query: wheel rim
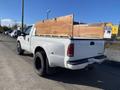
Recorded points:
(18,47)
(38,65)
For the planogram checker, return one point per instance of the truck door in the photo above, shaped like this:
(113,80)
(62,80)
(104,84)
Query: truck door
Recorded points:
(27,38)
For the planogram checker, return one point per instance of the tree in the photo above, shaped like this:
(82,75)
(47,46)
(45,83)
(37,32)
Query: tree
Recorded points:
(1,29)
(6,28)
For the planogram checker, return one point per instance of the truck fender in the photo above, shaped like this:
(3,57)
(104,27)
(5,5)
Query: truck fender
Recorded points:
(38,48)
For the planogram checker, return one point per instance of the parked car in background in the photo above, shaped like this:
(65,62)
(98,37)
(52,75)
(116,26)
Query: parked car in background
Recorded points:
(7,32)
(0,31)
(15,33)
(12,33)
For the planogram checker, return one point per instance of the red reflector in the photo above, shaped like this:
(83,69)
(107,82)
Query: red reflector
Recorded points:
(70,51)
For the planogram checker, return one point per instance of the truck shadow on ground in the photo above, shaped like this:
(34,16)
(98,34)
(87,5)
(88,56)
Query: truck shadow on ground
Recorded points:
(105,76)
(28,54)
(7,41)
(102,76)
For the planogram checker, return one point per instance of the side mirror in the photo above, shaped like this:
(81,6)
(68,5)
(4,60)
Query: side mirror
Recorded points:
(23,34)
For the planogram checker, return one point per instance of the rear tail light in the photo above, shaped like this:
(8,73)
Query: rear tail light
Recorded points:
(70,51)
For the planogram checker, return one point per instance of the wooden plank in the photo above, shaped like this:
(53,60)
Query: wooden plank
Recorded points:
(63,26)
(57,26)
(88,31)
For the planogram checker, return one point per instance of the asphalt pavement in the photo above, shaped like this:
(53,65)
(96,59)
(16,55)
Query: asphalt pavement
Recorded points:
(17,73)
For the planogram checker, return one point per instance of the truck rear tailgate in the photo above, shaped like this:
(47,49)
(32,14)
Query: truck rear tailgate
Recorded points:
(87,48)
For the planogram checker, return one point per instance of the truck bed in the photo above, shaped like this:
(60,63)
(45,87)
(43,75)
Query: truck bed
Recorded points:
(56,48)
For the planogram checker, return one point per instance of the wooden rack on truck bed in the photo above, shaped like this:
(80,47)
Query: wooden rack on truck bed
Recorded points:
(66,27)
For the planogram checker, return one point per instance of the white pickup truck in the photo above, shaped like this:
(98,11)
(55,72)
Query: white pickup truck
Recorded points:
(50,52)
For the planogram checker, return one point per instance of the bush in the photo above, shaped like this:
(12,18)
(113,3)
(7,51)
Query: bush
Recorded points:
(4,28)
(114,37)
(1,29)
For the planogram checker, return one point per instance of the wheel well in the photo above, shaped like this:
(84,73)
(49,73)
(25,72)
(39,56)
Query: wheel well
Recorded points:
(40,49)
(18,41)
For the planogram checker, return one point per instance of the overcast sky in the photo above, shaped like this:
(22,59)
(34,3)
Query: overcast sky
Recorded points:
(88,11)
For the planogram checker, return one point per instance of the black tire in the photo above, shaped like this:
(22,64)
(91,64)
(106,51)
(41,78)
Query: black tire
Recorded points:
(20,51)
(41,64)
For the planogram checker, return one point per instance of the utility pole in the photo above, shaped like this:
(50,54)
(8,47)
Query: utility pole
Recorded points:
(47,13)
(0,21)
(22,15)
